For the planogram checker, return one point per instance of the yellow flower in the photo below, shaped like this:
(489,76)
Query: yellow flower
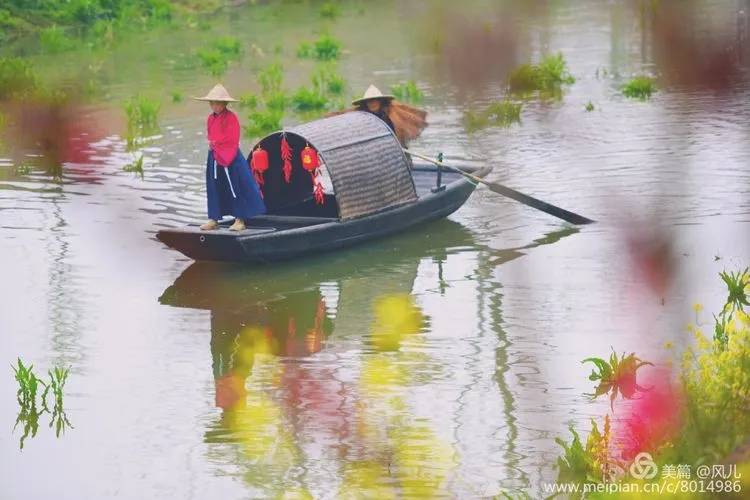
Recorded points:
(697,307)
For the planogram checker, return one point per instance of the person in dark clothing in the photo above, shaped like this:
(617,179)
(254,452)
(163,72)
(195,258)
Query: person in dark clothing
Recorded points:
(407,122)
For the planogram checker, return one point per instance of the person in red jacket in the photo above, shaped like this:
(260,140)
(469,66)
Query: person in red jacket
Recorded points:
(230,186)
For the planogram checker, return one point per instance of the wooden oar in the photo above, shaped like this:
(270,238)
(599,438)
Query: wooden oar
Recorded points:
(558,212)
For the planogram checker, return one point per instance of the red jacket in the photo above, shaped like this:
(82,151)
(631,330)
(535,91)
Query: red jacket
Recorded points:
(223,132)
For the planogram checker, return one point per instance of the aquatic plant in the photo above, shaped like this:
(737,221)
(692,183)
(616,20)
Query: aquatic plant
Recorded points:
(135,167)
(217,56)
(28,383)
(249,101)
(270,78)
(262,123)
(549,75)
(326,79)
(17,78)
(304,50)
(616,376)
(23,169)
(228,45)
(57,378)
(589,106)
(705,419)
(738,285)
(592,463)
(640,87)
(325,48)
(501,114)
(305,99)
(177,96)
(53,40)
(142,114)
(214,61)
(329,10)
(408,92)
(28,388)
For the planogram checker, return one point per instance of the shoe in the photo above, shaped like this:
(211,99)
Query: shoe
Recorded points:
(238,225)
(210,225)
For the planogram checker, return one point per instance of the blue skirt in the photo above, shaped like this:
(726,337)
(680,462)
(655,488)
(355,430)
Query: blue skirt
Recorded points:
(232,190)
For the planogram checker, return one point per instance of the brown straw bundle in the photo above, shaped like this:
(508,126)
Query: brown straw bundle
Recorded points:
(408,121)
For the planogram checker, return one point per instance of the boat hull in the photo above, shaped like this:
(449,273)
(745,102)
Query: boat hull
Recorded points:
(260,244)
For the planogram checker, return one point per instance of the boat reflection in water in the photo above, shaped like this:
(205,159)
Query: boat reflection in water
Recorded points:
(314,363)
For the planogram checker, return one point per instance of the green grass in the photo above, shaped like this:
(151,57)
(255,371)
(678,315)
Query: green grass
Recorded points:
(640,87)
(407,92)
(549,75)
(500,114)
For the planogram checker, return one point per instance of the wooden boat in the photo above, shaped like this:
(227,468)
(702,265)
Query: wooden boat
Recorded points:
(377,191)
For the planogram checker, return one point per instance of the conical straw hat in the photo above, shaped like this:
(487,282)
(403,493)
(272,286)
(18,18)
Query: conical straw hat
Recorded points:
(218,93)
(372,92)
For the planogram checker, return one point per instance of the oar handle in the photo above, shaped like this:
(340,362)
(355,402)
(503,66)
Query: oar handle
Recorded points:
(558,212)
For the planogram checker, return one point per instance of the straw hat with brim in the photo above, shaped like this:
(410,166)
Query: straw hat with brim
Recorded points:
(372,92)
(218,93)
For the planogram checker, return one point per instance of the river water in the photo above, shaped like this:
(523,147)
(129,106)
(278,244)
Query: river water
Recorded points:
(442,362)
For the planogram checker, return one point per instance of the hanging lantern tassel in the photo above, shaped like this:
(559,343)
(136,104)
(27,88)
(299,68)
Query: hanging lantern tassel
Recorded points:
(311,163)
(286,156)
(318,191)
(259,164)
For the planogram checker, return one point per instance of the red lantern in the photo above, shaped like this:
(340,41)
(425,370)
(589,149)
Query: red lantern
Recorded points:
(311,163)
(310,159)
(259,164)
